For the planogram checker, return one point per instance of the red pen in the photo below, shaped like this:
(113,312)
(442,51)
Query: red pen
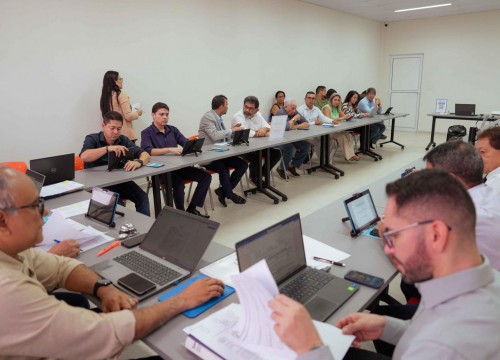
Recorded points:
(105,250)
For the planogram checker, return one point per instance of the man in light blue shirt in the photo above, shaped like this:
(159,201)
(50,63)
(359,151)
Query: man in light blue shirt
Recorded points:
(366,106)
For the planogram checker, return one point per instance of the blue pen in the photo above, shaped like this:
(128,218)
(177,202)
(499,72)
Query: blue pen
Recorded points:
(57,241)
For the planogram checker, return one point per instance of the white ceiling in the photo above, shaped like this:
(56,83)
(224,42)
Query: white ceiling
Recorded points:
(383,10)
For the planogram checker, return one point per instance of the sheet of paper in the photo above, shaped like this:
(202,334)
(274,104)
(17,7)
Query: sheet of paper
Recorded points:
(314,247)
(223,269)
(102,196)
(60,188)
(78,208)
(136,107)
(278,126)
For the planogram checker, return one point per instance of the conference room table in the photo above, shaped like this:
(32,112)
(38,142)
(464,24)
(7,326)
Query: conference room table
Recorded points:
(436,116)
(99,176)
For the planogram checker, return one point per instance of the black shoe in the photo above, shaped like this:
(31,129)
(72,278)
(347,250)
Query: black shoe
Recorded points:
(196,212)
(281,173)
(237,199)
(221,196)
(372,147)
(293,171)
(383,137)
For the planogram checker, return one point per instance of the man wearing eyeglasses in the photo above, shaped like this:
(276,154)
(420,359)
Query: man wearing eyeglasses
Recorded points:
(36,325)
(429,236)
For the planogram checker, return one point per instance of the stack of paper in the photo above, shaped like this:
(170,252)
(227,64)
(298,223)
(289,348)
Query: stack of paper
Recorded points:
(63,187)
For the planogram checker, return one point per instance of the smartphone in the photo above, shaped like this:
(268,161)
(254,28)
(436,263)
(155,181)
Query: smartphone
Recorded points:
(137,284)
(364,279)
(132,242)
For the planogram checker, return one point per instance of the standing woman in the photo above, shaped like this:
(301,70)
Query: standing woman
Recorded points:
(113,98)
(279,103)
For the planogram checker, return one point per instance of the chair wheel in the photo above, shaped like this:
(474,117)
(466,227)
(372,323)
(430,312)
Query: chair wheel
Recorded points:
(402,147)
(276,202)
(336,176)
(381,145)
(284,198)
(254,192)
(376,159)
(309,172)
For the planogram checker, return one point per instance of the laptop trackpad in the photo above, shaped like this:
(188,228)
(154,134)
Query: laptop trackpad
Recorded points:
(320,308)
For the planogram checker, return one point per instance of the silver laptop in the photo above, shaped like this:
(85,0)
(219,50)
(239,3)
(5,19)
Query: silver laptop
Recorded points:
(282,245)
(37,178)
(373,112)
(169,253)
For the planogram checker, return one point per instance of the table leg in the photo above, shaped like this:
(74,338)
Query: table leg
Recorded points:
(392,136)
(264,187)
(432,134)
(324,159)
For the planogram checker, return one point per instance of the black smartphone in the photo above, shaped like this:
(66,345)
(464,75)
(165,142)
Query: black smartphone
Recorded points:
(364,279)
(132,242)
(137,284)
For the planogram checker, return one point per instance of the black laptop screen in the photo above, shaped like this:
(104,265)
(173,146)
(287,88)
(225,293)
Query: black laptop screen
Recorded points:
(281,245)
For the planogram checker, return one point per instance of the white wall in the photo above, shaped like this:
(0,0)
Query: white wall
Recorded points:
(461,56)
(54,53)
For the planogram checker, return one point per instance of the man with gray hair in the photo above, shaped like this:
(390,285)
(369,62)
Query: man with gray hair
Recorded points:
(294,154)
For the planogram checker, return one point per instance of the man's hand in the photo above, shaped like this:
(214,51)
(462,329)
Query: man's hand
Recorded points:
(68,248)
(113,299)
(132,165)
(175,150)
(294,325)
(262,132)
(364,326)
(318,122)
(303,125)
(377,102)
(119,150)
(201,291)
(237,127)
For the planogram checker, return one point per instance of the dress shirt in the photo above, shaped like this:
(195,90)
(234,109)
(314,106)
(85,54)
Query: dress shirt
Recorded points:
(487,203)
(153,138)
(36,325)
(97,140)
(253,123)
(366,106)
(458,318)
(311,115)
(283,112)
(493,179)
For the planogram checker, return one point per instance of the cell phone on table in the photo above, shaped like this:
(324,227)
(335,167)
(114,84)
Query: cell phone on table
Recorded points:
(136,284)
(364,279)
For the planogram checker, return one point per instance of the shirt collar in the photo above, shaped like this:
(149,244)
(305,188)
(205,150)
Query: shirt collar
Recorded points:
(102,139)
(495,172)
(157,131)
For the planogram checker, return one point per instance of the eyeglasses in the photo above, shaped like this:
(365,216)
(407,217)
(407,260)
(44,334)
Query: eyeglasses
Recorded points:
(38,204)
(387,236)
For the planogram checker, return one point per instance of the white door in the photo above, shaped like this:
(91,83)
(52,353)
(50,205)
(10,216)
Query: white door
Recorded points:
(404,95)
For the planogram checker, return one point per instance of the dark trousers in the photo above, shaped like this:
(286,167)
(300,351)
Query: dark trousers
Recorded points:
(228,182)
(376,131)
(72,299)
(131,191)
(253,158)
(189,173)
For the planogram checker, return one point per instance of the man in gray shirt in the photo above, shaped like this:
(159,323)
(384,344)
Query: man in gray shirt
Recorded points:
(429,236)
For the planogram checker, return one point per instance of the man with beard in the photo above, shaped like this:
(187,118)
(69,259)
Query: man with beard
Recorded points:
(429,236)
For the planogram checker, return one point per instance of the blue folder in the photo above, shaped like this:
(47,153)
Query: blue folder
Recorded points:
(191,313)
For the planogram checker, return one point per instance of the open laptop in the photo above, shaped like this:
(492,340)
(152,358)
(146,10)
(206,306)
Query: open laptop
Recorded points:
(55,168)
(169,253)
(118,162)
(37,178)
(193,146)
(362,213)
(282,245)
(465,109)
(241,137)
(373,112)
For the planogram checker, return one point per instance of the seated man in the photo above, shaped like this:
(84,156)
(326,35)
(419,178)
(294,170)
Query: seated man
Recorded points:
(429,236)
(213,130)
(160,139)
(488,145)
(95,153)
(294,154)
(366,105)
(36,325)
(250,118)
(321,99)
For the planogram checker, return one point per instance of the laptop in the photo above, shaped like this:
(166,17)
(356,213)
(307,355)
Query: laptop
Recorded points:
(55,168)
(118,162)
(37,178)
(193,146)
(282,245)
(362,213)
(465,109)
(169,253)
(373,112)
(241,137)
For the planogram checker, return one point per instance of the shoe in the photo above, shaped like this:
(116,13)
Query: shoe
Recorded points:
(221,196)
(293,171)
(372,147)
(383,137)
(237,199)
(355,158)
(281,173)
(196,212)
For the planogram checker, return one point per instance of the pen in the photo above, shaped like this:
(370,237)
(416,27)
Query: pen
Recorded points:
(57,241)
(328,261)
(105,250)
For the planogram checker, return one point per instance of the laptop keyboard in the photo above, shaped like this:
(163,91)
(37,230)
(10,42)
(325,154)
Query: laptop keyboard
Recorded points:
(305,285)
(150,269)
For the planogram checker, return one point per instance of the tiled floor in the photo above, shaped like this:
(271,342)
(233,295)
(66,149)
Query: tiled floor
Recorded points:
(307,194)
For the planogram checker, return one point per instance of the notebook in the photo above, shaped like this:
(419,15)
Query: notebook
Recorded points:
(55,168)
(282,246)
(169,253)
(37,178)
(361,212)
(465,109)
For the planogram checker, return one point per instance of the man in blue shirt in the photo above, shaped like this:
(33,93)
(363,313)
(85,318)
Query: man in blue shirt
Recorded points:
(366,106)
(160,139)
(95,153)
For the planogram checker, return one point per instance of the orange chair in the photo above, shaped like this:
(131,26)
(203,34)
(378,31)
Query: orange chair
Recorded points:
(79,163)
(18,165)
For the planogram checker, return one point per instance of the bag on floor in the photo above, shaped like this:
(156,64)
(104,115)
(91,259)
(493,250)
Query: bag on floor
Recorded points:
(456,133)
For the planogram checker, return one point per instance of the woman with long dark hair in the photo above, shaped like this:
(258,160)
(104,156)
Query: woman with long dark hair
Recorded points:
(113,98)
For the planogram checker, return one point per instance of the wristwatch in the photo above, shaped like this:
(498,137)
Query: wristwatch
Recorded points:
(140,162)
(101,283)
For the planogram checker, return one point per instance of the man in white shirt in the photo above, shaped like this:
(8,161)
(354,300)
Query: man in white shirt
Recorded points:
(250,118)
(488,145)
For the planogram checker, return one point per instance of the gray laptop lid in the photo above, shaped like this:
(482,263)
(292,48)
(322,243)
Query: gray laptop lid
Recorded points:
(55,168)
(37,178)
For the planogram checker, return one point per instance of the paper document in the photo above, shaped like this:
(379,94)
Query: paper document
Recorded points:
(136,107)
(278,127)
(78,208)
(60,188)
(223,269)
(314,247)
